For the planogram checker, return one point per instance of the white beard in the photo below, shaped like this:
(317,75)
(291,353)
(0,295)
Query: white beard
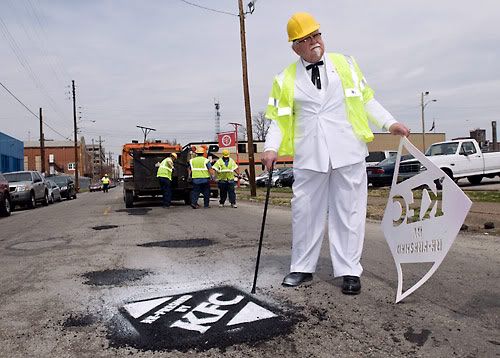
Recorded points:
(317,51)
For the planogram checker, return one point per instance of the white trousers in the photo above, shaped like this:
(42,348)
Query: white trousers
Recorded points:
(340,195)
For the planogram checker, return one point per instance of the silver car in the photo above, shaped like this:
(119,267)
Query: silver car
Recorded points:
(54,191)
(27,188)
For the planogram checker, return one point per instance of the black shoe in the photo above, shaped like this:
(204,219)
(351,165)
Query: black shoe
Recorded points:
(194,206)
(296,278)
(351,285)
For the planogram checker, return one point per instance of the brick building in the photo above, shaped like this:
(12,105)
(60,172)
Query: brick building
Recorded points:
(59,157)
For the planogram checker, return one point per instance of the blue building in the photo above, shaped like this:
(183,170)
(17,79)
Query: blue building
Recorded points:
(11,154)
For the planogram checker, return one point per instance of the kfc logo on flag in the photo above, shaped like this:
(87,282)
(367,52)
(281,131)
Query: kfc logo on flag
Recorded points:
(227,139)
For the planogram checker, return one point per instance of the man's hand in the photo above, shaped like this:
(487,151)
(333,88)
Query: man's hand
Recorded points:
(399,129)
(268,158)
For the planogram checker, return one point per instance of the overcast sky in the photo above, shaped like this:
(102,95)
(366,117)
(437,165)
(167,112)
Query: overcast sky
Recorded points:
(162,63)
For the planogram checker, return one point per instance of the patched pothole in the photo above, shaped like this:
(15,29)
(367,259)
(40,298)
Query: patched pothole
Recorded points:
(78,320)
(179,243)
(114,277)
(40,245)
(104,227)
(134,211)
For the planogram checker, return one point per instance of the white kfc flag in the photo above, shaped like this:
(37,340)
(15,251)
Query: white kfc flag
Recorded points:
(420,223)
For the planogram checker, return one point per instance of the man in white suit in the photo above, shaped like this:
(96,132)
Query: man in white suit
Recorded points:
(320,107)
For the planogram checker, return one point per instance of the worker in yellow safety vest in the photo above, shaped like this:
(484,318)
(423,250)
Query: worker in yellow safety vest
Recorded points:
(105,183)
(226,168)
(320,106)
(199,169)
(164,175)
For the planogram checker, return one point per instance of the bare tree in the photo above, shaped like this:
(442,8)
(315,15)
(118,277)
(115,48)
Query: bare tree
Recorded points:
(260,126)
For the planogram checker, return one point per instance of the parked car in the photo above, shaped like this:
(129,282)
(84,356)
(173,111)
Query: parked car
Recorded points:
(381,174)
(54,191)
(262,179)
(376,157)
(285,178)
(27,188)
(66,185)
(95,186)
(5,201)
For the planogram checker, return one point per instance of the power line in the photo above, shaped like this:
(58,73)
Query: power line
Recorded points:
(29,110)
(209,9)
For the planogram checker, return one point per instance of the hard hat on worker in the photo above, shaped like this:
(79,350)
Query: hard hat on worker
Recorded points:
(173,155)
(301,24)
(200,150)
(105,175)
(225,153)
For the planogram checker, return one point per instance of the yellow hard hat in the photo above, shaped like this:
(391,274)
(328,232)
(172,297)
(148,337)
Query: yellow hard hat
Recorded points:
(301,24)
(173,155)
(200,150)
(225,153)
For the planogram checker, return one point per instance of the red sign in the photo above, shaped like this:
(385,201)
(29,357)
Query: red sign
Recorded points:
(227,139)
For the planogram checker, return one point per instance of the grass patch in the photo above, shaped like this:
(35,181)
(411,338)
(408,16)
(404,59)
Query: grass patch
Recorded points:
(282,196)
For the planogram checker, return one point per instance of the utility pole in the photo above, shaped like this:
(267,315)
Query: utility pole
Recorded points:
(251,161)
(93,160)
(42,144)
(145,130)
(100,157)
(77,183)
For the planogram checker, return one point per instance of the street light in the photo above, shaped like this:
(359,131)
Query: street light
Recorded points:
(422,106)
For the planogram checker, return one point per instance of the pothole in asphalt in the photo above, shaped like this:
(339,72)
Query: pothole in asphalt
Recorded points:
(79,320)
(114,277)
(104,227)
(134,211)
(39,245)
(200,320)
(179,243)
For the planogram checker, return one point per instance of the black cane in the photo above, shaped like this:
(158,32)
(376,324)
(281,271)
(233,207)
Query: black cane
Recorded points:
(269,183)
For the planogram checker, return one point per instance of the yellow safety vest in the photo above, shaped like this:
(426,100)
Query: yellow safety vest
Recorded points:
(225,172)
(356,93)
(199,167)
(165,169)
(105,180)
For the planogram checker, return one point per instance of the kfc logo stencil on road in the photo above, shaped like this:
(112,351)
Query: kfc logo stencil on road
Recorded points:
(210,318)
(422,231)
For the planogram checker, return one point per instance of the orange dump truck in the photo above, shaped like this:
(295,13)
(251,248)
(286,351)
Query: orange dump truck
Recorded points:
(139,162)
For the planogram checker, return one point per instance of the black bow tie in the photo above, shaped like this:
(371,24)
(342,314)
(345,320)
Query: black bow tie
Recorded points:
(315,73)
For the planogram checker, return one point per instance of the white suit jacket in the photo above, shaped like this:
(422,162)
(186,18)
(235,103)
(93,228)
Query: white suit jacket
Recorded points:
(324,137)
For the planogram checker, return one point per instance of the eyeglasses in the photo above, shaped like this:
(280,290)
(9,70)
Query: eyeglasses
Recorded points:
(308,39)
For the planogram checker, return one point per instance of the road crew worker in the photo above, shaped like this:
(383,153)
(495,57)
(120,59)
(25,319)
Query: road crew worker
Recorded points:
(105,183)
(319,107)
(164,175)
(225,168)
(199,169)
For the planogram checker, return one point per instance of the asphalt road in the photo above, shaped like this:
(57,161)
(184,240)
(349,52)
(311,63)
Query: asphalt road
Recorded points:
(89,278)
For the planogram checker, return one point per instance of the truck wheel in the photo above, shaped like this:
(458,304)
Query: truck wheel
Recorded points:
(475,179)
(129,199)
(5,207)
(187,198)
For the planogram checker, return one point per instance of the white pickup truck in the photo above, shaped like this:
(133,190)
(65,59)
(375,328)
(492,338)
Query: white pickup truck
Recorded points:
(463,158)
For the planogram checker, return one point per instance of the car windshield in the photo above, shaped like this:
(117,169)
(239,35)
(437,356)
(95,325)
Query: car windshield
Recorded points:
(60,180)
(442,149)
(13,177)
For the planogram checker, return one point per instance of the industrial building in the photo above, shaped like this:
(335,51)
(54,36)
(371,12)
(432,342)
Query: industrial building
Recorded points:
(11,154)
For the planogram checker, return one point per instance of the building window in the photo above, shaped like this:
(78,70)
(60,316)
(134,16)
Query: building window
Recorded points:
(71,166)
